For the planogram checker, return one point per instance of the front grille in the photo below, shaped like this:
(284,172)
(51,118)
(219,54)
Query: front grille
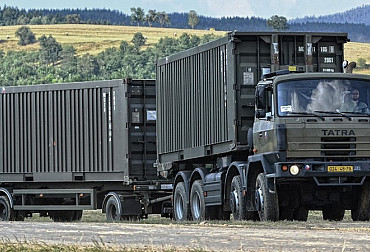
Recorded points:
(338,148)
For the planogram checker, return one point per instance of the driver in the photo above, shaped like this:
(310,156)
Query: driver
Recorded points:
(352,104)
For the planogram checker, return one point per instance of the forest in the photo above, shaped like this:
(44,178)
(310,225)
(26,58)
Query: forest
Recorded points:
(53,63)
(355,22)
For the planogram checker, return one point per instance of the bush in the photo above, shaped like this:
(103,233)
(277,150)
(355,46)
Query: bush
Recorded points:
(25,35)
(361,63)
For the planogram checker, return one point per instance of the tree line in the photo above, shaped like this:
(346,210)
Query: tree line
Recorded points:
(13,16)
(54,63)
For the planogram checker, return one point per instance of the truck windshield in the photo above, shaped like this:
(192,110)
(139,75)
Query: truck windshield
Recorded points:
(323,96)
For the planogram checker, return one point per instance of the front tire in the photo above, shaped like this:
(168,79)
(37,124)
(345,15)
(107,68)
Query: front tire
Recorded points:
(181,207)
(266,202)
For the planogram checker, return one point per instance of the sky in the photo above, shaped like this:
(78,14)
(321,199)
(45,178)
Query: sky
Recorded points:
(211,8)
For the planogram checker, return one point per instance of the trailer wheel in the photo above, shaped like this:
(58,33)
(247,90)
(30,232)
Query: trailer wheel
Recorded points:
(237,200)
(362,211)
(197,202)
(112,211)
(334,213)
(180,203)
(266,202)
(6,213)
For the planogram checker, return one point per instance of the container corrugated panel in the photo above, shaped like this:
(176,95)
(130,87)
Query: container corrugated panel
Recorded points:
(75,132)
(206,94)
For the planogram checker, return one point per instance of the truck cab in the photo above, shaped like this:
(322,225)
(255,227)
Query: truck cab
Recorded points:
(311,136)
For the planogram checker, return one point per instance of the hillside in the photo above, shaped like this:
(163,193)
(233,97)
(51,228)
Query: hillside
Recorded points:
(92,39)
(359,15)
(354,22)
(101,52)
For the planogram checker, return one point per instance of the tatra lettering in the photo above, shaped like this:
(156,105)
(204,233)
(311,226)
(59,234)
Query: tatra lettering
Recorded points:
(342,132)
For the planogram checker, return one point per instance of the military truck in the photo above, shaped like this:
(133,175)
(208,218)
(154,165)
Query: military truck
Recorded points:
(223,130)
(264,126)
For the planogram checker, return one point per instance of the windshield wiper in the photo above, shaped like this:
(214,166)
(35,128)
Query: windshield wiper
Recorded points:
(309,114)
(333,113)
(356,113)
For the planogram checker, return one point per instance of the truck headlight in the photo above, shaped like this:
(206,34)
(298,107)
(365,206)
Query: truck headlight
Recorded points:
(294,170)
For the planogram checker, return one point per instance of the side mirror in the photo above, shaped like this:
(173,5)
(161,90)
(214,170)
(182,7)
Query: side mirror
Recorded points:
(261,97)
(260,113)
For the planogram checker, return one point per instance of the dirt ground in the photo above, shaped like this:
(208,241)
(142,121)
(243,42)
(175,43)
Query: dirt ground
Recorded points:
(246,236)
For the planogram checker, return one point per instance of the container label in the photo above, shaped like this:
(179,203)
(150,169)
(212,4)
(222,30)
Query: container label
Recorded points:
(276,48)
(328,60)
(248,78)
(151,115)
(309,48)
(135,117)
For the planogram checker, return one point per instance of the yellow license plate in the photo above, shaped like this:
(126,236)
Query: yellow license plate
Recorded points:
(340,168)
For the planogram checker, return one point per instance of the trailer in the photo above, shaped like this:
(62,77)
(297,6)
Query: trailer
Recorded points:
(252,125)
(65,148)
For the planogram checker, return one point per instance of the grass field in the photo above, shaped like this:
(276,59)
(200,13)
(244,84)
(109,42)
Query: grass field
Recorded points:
(93,39)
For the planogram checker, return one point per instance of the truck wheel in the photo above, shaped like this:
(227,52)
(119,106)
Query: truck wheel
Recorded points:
(180,203)
(266,202)
(300,214)
(334,213)
(362,211)
(6,213)
(112,210)
(197,202)
(237,200)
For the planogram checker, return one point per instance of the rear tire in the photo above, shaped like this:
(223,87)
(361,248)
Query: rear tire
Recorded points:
(112,210)
(6,212)
(181,208)
(237,199)
(362,211)
(197,202)
(266,202)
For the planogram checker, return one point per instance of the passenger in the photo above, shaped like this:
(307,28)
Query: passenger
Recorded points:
(352,104)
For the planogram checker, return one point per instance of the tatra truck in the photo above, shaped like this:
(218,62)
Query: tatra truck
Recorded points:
(264,126)
(258,126)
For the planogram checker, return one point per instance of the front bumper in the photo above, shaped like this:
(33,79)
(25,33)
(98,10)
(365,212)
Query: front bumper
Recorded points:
(324,173)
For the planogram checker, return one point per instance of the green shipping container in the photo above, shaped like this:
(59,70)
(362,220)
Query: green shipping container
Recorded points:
(205,95)
(75,132)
